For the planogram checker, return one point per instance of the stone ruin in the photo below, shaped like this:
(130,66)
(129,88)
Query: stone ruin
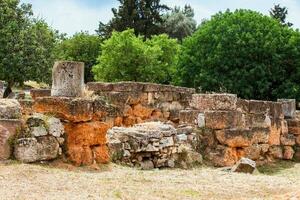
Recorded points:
(153,144)
(144,125)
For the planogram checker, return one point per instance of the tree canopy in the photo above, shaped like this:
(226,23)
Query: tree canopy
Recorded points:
(280,13)
(180,23)
(126,57)
(81,47)
(242,52)
(144,16)
(26,44)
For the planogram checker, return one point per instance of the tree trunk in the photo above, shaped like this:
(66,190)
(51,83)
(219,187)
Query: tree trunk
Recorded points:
(8,90)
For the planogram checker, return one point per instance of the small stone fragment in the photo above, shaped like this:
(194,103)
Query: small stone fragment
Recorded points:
(244,165)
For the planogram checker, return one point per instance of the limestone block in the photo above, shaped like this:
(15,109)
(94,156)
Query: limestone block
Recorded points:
(297,153)
(223,156)
(274,109)
(101,154)
(276,152)
(128,87)
(298,140)
(288,140)
(242,105)
(201,120)
(242,137)
(5,149)
(82,140)
(244,165)
(188,117)
(26,150)
(74,110)
(10,128)
(48,148)
(259,107)
(260,135)
(254,152)
(36,93)
(258,120)
(26,106)
(12,125)
(223,119)
(288,153)
(289,107)
(67,79)
(10,109)
(99,87)
(206,102)
(294,126)
(275,132)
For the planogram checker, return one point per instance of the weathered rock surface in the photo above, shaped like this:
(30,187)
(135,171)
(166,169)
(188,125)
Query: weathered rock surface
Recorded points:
(72,109)
(40,140)
(10,109)
(85,138)
(4,143)
(67,79)
(209,102)
(37,93)
(29,150)
(153,145)
(245,165)
(289,107)
(26,150)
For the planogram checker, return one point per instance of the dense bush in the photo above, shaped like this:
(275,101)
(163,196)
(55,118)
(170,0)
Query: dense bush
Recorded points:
(242,52)
(126,57)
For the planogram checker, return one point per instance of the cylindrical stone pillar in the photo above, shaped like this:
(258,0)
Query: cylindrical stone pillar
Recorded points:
(67,79)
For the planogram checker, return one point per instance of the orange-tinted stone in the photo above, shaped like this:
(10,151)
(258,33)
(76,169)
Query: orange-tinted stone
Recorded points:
(129,121)
(223,156)
(223,119)
(101,154)
(275,132)
(90,133)
(82,138)
(141,111)
(74,110)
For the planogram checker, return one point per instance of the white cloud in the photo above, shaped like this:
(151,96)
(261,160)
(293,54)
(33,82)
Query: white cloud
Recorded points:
(69,16)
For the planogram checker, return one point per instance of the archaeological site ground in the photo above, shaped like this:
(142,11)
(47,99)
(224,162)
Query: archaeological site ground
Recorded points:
(132,140)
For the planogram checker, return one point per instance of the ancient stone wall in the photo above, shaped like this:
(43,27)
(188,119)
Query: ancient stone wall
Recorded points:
(221,127)
(140,102)
(230,128)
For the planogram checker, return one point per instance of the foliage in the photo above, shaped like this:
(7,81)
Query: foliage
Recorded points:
(126,57)
(81,47)
(26,44)
(242,52)
(180,23)
(280,13)
(144,16)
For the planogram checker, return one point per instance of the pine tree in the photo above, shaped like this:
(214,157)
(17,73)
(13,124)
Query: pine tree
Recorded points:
(144,16)
(280,13)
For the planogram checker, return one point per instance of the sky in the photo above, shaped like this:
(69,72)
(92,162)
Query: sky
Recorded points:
(71,16)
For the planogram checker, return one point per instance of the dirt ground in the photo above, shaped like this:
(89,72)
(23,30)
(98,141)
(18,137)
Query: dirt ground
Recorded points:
(21,181)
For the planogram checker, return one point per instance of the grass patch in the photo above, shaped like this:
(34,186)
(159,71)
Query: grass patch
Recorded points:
(276,168)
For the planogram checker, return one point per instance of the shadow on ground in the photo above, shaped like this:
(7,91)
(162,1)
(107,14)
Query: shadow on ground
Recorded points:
(276,168)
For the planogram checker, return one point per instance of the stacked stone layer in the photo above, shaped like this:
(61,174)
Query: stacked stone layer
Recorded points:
(10,125)
(86,121)
(153,145)
(142,102)
(232,128)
